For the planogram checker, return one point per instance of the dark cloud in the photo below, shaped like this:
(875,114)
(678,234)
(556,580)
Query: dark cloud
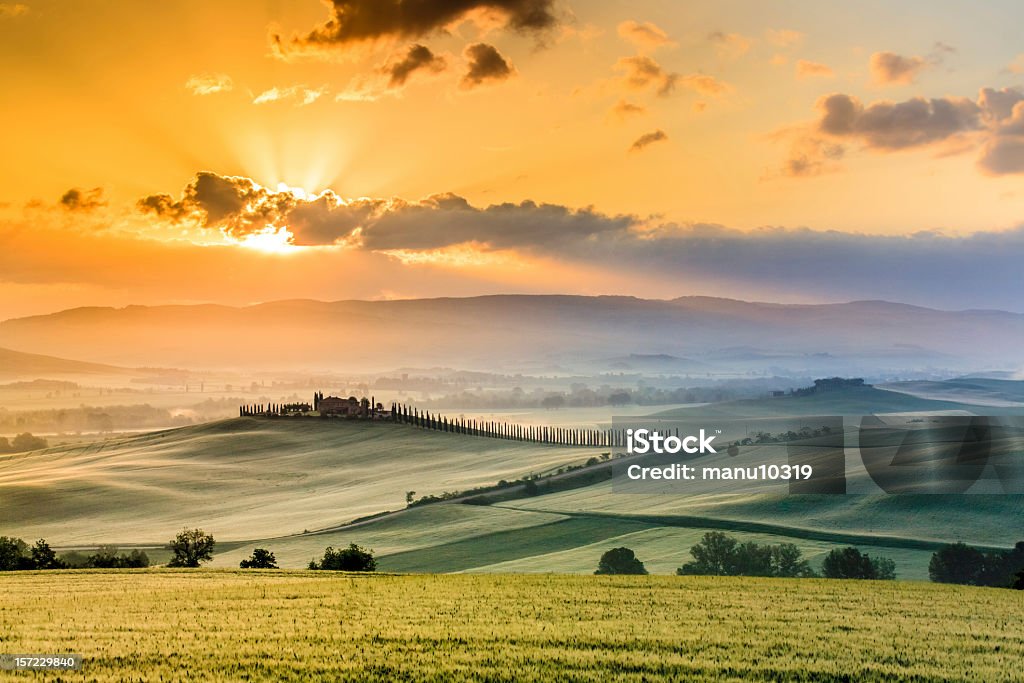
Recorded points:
(976,271)
(239,207)
(356,21)
(994,124)
(641,72)
(889,68)
(416,58)
(485,64)
(898,125)
(648,139)
(77,199)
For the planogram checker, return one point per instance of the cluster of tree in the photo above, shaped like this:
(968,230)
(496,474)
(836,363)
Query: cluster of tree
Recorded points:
(21,443)
(106,557)
(722,555)
(261,558)
(351,559)
(16,555)
(964,564)
(719,554)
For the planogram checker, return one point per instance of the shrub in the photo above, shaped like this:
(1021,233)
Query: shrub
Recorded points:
(107,557)
(191,547)
(261,558)
(850,563)
(27,442)
(350,559)
(620,561)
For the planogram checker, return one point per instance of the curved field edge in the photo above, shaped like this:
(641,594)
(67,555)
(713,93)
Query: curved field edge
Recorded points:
(302,626)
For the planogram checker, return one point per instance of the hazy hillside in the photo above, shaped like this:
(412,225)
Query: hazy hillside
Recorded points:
(16,364)
(995,393)
(850,401)
(502,331)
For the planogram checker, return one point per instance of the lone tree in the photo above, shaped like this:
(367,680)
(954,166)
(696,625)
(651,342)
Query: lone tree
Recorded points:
(350,559)
(43,556)
(261,558)
(190,547)
(850,563)
(620,561)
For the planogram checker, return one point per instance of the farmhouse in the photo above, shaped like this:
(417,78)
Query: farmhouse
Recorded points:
(343,407)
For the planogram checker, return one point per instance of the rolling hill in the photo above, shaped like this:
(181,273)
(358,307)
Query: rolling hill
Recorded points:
(297,486)
(247,478)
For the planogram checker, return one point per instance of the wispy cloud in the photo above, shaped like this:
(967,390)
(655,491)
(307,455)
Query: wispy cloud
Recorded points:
(648,139)
(209,84)
(299,94)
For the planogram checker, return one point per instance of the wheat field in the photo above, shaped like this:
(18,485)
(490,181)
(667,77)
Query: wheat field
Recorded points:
(218,625)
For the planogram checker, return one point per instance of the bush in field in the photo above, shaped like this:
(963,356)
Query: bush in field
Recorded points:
(620,561)
(261,558)
(721,555)
(27,442)
(191,547)
(350,559)
(107,557)
(850,563)
(1018,583)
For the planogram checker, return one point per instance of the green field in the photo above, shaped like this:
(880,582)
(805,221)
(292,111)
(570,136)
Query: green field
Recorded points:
(292,485)
(247,478)
(303,626)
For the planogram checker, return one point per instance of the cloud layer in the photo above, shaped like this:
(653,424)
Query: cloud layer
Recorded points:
(977,271)
(359,21)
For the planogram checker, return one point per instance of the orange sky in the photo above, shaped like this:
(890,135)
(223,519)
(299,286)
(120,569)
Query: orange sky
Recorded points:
(637,120)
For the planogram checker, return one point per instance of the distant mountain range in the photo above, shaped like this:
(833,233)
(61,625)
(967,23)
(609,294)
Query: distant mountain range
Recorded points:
(521,331)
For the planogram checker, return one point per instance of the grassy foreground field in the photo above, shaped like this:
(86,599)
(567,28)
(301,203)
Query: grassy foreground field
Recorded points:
(303,626)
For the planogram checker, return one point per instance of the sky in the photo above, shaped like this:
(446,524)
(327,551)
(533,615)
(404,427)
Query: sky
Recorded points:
(238,152)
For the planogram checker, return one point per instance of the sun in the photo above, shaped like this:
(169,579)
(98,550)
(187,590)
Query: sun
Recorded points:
(270,240)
